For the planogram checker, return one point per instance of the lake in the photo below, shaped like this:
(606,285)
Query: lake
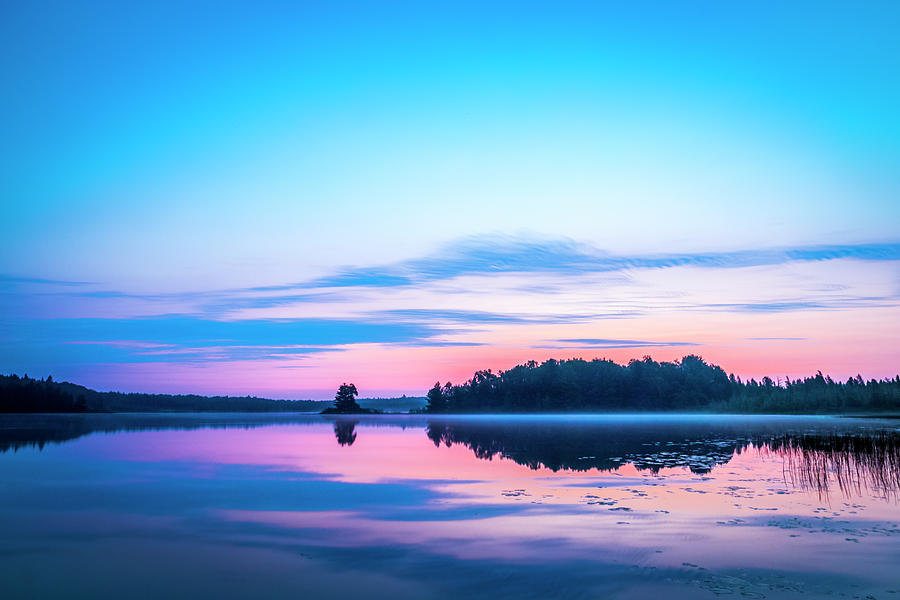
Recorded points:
(304,506)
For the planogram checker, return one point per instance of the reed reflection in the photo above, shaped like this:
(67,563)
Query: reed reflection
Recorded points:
(852,463)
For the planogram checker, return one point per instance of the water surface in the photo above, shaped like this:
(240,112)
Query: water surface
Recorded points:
(594,506)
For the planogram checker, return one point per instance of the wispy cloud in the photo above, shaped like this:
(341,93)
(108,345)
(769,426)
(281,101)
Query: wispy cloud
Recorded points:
(517,254)
(614,343)
(826,303)
(769,306)
(473,317)
(198,332)
(185,338)
(143,352)
(520,292)
(492,255)
(7,280)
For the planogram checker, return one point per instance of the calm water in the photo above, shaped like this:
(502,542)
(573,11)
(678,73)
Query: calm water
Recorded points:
(146,506)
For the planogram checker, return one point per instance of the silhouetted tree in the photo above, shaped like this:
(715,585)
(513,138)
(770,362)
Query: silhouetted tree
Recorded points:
(345,399)
(436,400)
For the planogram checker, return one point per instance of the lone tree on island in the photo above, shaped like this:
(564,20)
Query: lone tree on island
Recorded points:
(345,399)
(345,403)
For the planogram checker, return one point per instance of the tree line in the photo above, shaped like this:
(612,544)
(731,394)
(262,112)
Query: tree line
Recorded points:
(23,394)
(28,395)
(691,384)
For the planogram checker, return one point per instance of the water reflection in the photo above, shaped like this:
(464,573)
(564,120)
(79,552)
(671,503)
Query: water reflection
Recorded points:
(850,461)
(475,507)
(345,431)
(854,463)
(586,447)
(18,431)
(848,455)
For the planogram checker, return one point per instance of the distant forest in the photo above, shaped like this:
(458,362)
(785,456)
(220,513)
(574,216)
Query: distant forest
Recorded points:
(575,385)
(689,384)
(27,395)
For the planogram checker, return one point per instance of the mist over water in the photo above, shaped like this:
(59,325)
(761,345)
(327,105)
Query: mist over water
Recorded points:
(621,506)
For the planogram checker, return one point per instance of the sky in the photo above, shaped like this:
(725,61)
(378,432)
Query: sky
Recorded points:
(274,198)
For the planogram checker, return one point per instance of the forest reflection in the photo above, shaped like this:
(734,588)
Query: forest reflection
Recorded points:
(851,462)
(575,447)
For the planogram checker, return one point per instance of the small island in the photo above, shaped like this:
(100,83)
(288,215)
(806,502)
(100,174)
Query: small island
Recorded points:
(345,403)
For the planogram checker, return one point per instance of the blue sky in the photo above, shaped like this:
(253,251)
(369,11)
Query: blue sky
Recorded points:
(270,167)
